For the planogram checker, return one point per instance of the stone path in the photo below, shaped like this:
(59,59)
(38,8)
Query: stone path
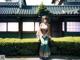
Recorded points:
(36,59)
(53,58)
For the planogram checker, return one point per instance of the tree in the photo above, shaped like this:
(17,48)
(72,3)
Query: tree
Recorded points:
(42,10)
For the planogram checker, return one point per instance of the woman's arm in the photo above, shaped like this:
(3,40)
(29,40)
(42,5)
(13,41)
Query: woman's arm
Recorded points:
(39,33)
(48,33)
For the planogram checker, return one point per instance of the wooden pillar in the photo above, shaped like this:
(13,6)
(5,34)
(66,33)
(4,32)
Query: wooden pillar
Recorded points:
(65,26)
(56,28)
(60,28)
(20,27)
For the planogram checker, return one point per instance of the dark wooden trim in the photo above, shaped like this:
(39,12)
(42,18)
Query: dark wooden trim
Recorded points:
(65,26)
(20,27)
(9,32)
(29,32)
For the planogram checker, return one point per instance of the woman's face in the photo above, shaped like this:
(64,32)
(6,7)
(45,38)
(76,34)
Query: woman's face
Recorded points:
(45,20)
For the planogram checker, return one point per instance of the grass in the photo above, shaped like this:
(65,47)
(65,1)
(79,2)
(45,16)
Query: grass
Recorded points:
(24,40)
(17,40)
(67,39)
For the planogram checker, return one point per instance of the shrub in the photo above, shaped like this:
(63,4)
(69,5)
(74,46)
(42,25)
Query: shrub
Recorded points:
(30,47)
(19,49)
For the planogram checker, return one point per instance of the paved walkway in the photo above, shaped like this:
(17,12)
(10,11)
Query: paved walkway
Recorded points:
(36,59)
(53,58)
(22,59)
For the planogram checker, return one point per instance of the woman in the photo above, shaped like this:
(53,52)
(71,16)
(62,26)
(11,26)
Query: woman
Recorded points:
(44,35)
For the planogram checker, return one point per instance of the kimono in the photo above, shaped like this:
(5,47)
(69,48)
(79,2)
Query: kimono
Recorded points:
(44,50)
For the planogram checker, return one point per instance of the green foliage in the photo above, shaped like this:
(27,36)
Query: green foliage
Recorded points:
(42,10)
(30,46)
(73,39)
(31,40)
(19,49)
(66,48)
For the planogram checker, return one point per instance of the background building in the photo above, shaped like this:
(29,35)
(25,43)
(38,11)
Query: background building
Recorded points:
(17,19)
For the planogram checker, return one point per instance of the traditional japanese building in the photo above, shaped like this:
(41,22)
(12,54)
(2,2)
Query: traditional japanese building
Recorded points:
(19,20)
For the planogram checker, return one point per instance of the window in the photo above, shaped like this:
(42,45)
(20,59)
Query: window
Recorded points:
(9,26)
(3,26)
(73,26)
(13,26)
(36,26)
(30,26)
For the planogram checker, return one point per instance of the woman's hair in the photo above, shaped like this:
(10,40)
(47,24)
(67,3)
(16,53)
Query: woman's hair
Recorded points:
(44,17)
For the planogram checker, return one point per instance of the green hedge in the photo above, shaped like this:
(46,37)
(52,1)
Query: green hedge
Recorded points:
(32,48)
(19,49)
(66,48)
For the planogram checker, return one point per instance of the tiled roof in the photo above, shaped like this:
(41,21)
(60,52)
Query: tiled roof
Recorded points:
(68,9)
(13,8)
(3,4)
(17,10)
